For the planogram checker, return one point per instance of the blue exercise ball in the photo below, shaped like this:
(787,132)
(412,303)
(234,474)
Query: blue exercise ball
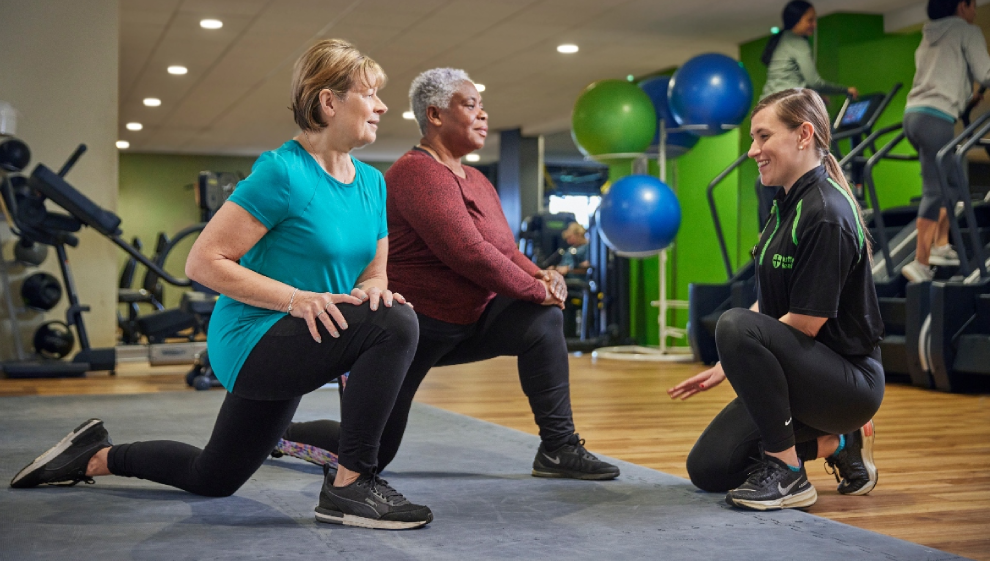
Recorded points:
(639,216)
(711,90)
(678,143)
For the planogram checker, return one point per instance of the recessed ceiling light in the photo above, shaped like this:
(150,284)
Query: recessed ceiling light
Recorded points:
(409,115)
(152,101)
(211,24)
(134,126)
(472,157)
(177,70)
(567,48)
(480,87)
(123,144)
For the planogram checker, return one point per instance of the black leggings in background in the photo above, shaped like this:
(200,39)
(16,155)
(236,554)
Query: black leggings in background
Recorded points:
(287,363)
(792,389)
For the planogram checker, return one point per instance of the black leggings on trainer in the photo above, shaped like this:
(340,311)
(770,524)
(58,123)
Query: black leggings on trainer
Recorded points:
(376,348)
(508,327)
(792,389)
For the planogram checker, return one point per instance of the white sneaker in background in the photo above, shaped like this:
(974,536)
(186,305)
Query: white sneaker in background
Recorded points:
(916,272)
(944,256)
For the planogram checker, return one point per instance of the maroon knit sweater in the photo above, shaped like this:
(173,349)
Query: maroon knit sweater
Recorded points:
(450,249)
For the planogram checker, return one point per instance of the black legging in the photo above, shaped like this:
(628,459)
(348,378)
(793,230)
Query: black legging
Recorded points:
(508,327)
(376,348)
(791,388)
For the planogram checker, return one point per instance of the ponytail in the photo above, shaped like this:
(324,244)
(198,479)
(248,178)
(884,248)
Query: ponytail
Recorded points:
(835,172)
(767,55)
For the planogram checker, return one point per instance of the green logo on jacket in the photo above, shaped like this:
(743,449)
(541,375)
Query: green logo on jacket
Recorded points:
(783,261)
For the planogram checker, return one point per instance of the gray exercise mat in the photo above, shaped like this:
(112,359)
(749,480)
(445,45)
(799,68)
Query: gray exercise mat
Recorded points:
(473,474)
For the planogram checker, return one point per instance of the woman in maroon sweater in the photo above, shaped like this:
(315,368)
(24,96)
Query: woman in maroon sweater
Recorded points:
(452,254)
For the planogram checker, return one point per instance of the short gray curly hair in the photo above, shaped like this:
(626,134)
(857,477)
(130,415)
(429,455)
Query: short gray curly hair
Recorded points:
(434,87)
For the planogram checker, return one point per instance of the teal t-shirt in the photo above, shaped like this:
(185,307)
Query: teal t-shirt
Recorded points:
(321,236)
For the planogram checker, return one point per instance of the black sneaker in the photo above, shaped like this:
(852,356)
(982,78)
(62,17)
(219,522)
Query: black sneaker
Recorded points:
(369,502)
(853,467)
(572,461)
(773,485)
(66,462)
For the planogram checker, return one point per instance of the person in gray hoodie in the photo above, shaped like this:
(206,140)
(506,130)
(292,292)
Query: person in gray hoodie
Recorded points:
(790,64)
(952,55)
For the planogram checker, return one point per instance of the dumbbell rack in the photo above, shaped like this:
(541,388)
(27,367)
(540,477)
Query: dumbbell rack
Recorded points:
(12,310)
(25,366)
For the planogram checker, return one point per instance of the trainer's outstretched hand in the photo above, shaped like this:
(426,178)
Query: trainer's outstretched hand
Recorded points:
(698,383)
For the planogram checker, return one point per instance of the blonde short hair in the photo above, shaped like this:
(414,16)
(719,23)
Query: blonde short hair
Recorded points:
(330,64)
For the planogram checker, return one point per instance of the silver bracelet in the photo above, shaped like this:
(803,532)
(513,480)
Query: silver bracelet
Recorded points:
(291,298)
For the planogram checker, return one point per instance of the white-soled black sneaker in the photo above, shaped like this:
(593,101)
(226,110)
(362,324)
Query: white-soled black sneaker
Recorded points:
(572,461)
(853,467)
(66,462)
(369,502)
(772,486)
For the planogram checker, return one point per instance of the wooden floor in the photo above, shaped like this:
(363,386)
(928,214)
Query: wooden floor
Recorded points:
(932,449)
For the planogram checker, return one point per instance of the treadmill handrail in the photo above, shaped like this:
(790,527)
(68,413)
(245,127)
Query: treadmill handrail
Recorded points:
(974,235)
(711,205)
(943,152)
(871,186)
(867,142)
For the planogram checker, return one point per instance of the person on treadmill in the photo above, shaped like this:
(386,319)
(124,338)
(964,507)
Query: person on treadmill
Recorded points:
(951,56)
(791,64)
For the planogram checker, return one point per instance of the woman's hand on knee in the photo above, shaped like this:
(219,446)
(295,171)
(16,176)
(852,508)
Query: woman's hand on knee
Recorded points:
(322,307)
(376,295)
(698,383)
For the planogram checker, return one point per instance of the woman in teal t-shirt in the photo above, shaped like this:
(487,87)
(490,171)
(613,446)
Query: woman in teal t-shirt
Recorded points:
(299,253)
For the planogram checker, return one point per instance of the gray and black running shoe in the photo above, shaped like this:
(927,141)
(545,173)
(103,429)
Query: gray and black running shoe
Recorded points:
(369,502)
(66,462)
(853,466)
(774,485)
(572,461)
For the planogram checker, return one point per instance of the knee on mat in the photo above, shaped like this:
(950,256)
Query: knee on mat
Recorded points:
(706,475)
(217,489)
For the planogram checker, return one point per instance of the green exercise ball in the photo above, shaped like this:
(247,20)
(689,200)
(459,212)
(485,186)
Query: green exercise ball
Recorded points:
(613,117)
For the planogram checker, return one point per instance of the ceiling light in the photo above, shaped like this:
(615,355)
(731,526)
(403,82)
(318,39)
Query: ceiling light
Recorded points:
(211,24)
(177,70)
(152,101)
(134,126)
(408,115)
(472,157)
(567,48)
(123,144)
(479,87)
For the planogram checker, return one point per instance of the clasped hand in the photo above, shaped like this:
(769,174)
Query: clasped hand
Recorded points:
(555,286)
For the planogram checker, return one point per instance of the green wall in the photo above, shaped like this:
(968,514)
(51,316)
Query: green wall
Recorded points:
(156,195)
